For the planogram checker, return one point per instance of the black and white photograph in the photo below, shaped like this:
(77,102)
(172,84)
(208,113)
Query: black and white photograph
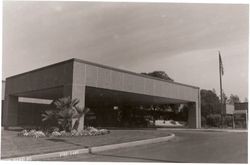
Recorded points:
(107,81)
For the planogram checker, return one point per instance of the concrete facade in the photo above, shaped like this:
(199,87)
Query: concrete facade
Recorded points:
(76,77)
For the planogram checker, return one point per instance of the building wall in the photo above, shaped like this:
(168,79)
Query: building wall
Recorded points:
(114,79)
(52,76)
(3,89)
(96,76)
(74,75)
(47,77)
(100,77)
(30,114)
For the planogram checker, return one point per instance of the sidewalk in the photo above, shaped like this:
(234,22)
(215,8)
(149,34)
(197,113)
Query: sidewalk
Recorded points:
(14,146)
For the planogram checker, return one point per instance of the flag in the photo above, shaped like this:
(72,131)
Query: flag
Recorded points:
(221,65)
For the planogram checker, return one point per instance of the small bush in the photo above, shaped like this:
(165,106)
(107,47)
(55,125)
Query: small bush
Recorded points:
(173,122)
(228,121)
(203,121)
(214,120)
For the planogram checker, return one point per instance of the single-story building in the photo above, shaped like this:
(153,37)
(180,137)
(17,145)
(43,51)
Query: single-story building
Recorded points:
(94,84)
(239,113)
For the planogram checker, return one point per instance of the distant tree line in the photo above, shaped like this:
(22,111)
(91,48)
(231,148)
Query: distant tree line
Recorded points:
(210,104)
(211,107)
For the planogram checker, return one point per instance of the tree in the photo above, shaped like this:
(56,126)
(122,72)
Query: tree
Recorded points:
(214,91)
(233,99)
(208,97)
(63,111)
(81,112)
(159,74)
(209,103)
(224,97)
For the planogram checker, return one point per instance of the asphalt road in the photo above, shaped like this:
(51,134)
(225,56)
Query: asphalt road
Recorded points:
(186,147)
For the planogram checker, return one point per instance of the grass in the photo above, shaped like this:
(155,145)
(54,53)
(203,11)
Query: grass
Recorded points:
(14,146)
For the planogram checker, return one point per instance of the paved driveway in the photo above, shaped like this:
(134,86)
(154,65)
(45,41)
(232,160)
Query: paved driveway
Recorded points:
(188,146)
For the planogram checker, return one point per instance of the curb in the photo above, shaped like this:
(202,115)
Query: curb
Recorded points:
(203,130)
(49,155)
(91,149)
(131,144)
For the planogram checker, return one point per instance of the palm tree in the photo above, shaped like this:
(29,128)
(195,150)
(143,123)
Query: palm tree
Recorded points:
(64,111)
(81,112)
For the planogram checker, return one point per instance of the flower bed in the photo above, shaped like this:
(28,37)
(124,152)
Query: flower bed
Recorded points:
(89,131)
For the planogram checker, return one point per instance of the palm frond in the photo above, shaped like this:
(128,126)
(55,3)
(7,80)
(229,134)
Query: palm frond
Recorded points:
(65,109)
(86,110)
(79,109)
(74,102)
(82,111)
(48,114)
(62,102)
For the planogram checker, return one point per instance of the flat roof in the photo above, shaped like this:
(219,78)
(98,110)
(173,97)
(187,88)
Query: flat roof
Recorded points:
(103,66)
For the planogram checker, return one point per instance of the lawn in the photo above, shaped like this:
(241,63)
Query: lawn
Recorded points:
(14,146)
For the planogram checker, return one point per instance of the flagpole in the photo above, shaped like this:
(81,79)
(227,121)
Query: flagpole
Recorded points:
(221,100)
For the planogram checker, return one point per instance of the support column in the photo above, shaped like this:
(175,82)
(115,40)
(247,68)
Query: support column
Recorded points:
(10,111)
(77,88)
(194,118)
(76,92)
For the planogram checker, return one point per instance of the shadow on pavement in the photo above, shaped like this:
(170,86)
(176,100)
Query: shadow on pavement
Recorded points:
(139,158)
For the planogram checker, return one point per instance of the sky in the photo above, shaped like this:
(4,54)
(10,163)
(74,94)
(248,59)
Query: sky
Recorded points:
(181,39)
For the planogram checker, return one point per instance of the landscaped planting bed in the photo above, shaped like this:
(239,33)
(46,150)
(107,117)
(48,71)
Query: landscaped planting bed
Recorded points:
(89,131)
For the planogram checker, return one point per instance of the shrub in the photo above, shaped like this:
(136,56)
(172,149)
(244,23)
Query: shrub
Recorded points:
(203,121)
(228,121)
(173,122)
(214,120)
